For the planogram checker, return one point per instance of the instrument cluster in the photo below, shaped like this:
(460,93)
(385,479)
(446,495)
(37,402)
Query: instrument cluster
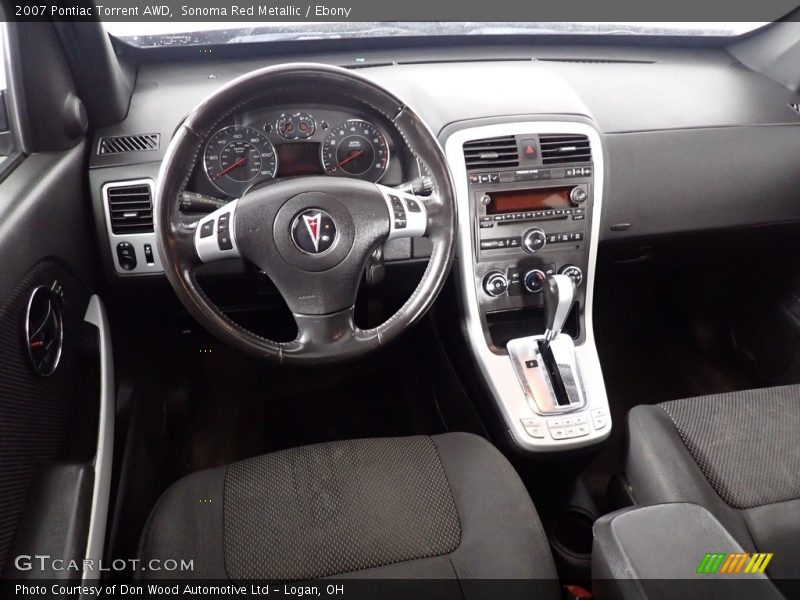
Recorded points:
(262,145)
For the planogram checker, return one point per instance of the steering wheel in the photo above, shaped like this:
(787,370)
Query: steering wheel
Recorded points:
(312,235)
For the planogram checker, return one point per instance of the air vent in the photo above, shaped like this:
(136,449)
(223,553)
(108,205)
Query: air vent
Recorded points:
(557,149)
(130,208)
(491,153)
(129,143)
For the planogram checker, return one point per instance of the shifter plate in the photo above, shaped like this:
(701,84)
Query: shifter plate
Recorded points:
(536,381)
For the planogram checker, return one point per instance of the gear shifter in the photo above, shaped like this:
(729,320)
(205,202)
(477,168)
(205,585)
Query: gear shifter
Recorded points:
(559,292)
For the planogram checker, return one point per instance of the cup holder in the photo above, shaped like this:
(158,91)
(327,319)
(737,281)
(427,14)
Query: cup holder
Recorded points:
(571,534)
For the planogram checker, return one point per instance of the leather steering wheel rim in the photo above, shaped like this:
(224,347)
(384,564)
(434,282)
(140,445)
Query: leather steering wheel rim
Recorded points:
(325,333)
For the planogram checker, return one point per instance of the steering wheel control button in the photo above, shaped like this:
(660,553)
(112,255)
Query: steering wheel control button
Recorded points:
(534,240)
(313,231)
(223,232)
(573,272)
(495,284)
(413,206)
(126,256)
(534,281)
(399,211)
(207,229)
(408,216)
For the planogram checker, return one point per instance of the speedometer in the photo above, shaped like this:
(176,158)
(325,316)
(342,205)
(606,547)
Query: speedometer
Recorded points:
(355,149)
(236,157)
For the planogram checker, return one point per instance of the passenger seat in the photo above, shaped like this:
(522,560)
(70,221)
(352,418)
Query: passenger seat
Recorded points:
(737,455)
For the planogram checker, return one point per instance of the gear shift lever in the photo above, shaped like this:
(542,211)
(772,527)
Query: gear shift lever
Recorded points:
(559,292)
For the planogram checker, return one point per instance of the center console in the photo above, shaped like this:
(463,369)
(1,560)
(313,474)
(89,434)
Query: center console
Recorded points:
(529,196)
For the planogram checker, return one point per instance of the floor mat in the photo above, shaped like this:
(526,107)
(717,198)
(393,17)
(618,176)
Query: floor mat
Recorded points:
(657,343)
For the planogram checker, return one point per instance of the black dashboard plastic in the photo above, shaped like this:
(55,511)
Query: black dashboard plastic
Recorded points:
(695,140)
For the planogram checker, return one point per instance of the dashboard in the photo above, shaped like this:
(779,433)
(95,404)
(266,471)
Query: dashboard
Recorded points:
(681,129)
(257,146)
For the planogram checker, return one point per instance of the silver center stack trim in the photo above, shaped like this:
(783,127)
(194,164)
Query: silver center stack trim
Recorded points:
(497,368)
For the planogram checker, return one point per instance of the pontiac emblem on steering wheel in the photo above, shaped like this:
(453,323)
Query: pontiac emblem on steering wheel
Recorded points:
(313,231)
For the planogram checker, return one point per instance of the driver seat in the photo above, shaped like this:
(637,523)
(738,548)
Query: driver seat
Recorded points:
(441,507)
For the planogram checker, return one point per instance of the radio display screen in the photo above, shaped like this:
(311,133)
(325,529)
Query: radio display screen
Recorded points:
(522,200)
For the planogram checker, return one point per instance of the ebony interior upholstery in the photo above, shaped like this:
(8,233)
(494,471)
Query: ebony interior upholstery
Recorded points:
(442,507)
(736,454)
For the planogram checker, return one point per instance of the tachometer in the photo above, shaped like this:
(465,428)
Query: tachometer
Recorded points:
(236,157)
(355,149)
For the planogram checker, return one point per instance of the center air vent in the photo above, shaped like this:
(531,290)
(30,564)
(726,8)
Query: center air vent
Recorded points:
(557,149)
(129,143)
(130,208)
(491,153)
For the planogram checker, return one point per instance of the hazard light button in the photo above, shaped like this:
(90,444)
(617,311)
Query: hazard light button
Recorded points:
(528,149)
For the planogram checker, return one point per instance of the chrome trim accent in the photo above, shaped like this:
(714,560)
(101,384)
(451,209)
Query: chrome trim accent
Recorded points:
(56,311)
(137,240)
(497,368)
(103,460)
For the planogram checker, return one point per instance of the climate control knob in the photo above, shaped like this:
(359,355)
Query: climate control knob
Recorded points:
(534,281)
(495,284)
(533,240)
(573,272)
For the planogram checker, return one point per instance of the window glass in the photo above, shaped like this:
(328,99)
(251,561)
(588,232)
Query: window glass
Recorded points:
(6,137)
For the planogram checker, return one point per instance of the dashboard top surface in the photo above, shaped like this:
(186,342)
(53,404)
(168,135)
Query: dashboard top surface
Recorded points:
(621,90)
(729,131)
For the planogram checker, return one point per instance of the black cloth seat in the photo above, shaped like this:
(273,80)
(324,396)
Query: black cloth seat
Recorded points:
(442,507)
(737,455)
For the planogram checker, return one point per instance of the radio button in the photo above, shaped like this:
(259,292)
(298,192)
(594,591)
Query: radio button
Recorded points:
(578,195)
(533,240)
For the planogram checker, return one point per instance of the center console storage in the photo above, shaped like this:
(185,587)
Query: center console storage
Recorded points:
(670,551)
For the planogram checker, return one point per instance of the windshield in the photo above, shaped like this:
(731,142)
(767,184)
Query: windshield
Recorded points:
(182,34)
